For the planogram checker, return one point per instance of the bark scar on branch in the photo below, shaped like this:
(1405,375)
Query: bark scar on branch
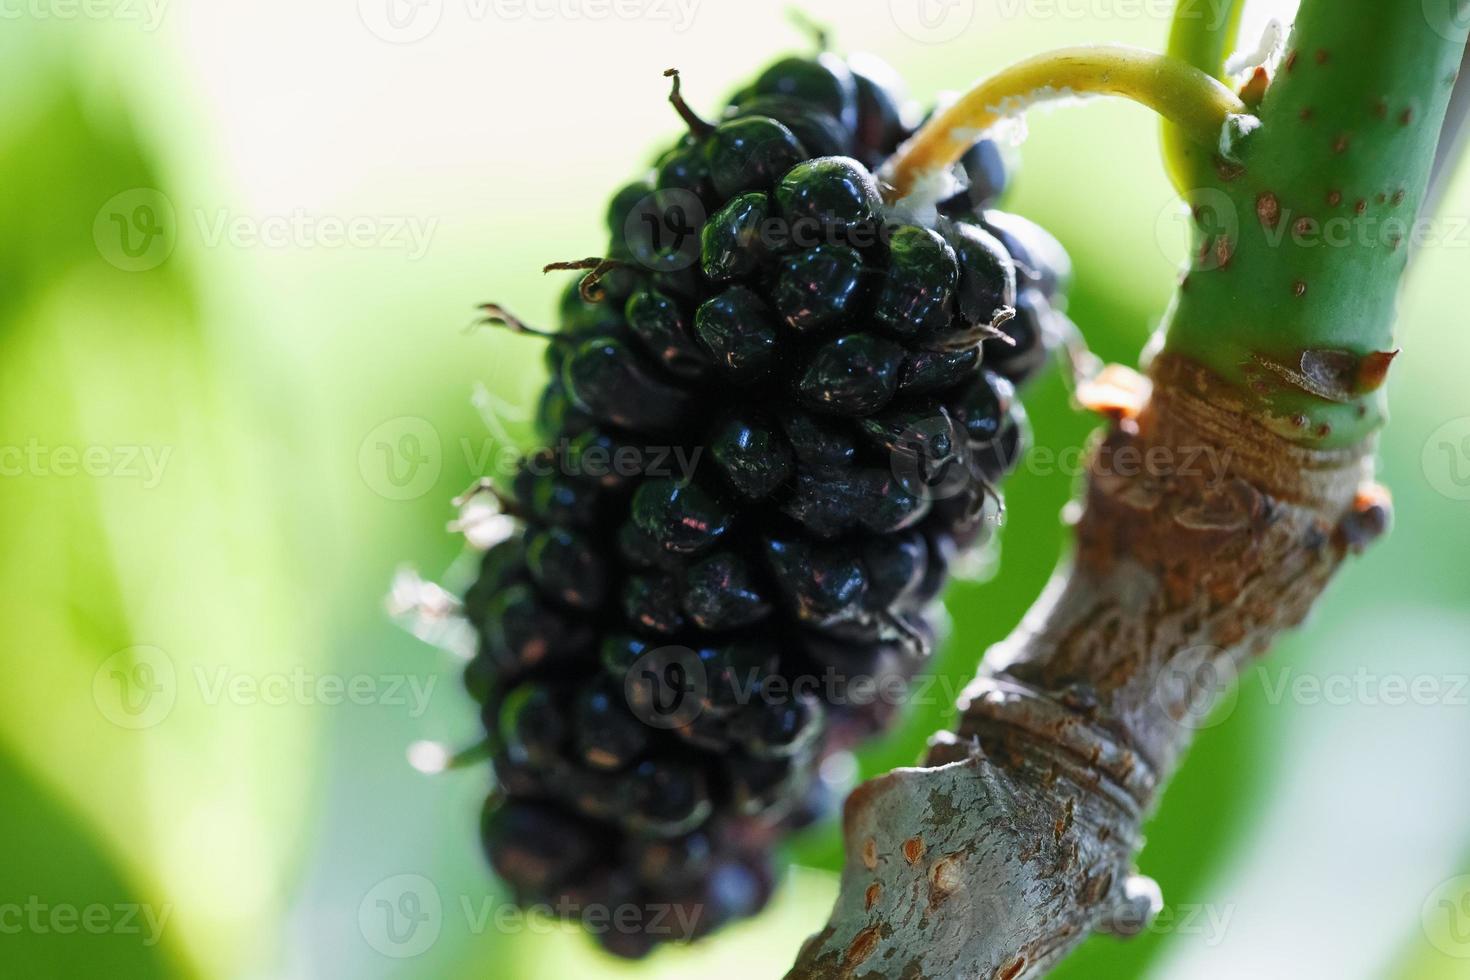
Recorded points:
(1202,536)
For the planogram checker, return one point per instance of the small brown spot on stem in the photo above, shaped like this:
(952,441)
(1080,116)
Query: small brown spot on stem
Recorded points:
(1340,144)
(1380,109)
(1398,197)
(1224,251)
(871,896)
(1382,198)
(1299,288)
(1406,117)
(1361,206)
(1306,113)
(1290,64)
(913,850)
(1303,226)
(1323,56)
(1334,198)
(1011,970)
(1268,209)
(870,854)
(861,948)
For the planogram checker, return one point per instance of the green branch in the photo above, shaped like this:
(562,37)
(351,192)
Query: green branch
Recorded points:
(1299,251)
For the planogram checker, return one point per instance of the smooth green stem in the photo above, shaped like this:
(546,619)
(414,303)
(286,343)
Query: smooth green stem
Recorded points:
(1300,250)
(1192,101)
(1202,34)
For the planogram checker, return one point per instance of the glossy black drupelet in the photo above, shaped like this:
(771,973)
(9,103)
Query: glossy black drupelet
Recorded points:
(767,434)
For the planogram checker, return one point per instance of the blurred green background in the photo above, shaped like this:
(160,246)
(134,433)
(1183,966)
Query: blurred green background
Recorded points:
(240,243)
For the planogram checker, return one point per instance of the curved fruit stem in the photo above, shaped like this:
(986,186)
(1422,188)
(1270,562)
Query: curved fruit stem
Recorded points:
(1213,517)
(1202,34)
(1195,103)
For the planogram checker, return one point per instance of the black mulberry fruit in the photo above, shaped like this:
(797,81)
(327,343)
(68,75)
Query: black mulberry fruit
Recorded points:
(775,416)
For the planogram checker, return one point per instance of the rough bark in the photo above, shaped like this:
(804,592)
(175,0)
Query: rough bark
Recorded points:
(1201,536)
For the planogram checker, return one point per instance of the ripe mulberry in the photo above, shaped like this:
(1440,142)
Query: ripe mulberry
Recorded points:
(775,414)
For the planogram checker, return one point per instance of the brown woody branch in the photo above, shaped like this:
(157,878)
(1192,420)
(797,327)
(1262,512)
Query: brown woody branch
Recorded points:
(1017,838)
